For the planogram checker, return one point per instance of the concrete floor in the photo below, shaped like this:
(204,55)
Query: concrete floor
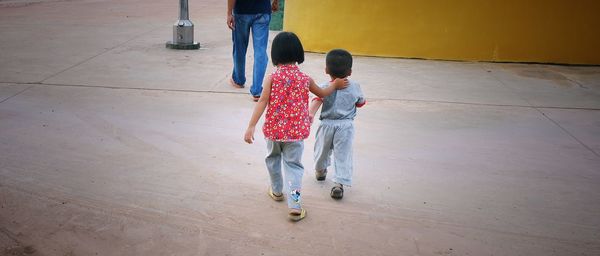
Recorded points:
(111,144)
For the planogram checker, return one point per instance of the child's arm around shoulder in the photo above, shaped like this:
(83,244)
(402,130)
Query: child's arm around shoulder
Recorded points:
(314,106)
(259,109)
(324,92)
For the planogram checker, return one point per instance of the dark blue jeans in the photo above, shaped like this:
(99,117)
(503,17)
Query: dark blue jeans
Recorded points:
(259,24)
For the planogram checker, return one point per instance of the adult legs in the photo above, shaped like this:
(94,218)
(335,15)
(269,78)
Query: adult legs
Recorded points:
(260,39)
(240,36)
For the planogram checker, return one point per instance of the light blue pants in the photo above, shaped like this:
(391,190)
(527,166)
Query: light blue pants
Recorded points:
(290,154)
(259,25)
(335,136)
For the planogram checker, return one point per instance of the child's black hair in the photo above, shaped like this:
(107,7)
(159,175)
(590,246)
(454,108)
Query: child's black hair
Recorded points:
(339,63)
(286,48)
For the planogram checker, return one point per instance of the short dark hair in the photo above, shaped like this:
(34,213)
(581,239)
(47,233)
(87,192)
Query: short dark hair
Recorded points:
(286,48)
(339,63)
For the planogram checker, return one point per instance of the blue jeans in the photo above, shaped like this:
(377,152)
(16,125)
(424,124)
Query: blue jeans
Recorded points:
(259,24)
(290,154)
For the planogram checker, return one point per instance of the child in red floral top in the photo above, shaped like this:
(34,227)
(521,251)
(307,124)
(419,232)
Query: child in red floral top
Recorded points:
(287,124)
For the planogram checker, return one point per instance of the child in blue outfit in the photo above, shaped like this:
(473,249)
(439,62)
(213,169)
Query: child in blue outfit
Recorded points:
(336,131)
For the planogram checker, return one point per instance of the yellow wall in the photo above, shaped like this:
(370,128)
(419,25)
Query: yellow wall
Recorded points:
(554,31)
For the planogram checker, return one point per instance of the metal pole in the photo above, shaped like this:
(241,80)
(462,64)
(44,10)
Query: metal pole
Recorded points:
(184,10)
(183,30)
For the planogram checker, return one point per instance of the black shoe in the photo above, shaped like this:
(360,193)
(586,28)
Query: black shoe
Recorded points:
(337,192)
(320,175)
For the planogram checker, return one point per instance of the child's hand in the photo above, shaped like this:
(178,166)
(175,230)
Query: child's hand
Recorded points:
(249,136)
(311,117)
(340,83)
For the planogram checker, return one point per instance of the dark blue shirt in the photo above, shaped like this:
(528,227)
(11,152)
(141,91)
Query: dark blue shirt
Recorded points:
(252,6)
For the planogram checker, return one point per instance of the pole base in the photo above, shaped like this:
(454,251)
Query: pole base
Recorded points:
(179,46)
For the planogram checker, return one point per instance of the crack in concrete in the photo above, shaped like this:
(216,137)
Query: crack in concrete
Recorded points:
(567,132)
(2,101)
(371,99)
(537,108)
(576,82)
(143,89)
(101,53)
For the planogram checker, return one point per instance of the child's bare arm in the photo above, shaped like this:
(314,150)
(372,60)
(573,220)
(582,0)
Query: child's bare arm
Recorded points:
(360,104)
(361,98)
(314,106)
(324,92)
(259,109)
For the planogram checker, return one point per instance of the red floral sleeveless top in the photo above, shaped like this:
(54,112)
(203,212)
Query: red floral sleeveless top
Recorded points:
(287,114)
